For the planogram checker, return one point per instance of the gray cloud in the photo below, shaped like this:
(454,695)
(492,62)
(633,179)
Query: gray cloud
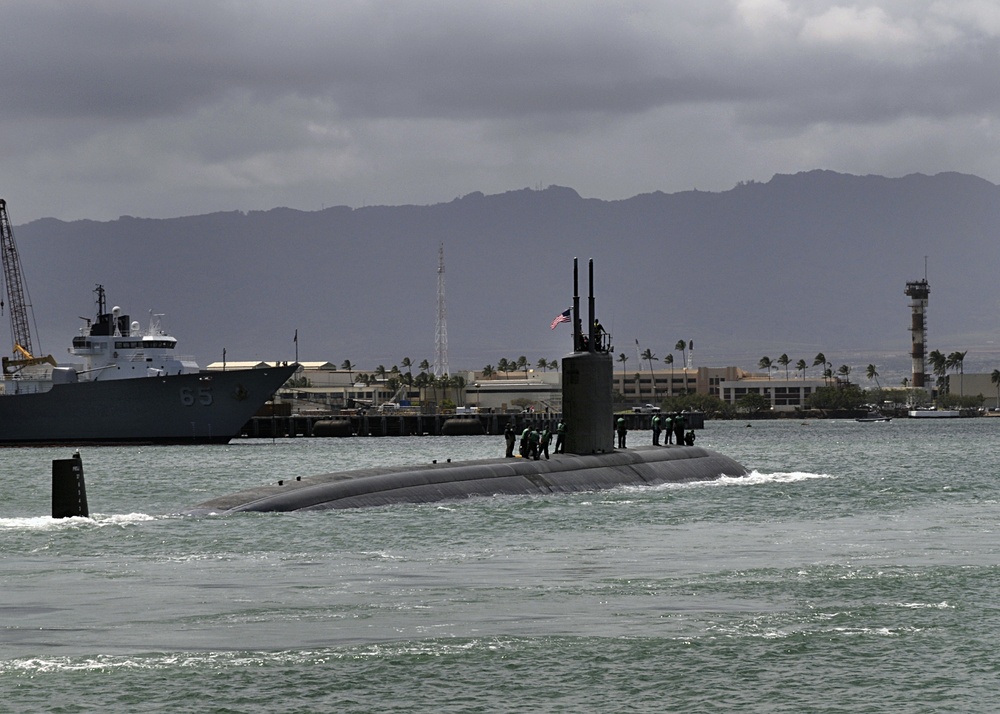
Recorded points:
(168,108)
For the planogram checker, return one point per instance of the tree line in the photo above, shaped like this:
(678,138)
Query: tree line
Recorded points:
(848,396)
(394,378)
(649,357)
(521,364)
(767,364)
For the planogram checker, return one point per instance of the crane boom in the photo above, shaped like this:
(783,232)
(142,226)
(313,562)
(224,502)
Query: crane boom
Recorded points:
(19,326)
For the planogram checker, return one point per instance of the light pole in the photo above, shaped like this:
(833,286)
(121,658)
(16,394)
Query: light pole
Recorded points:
(477,396)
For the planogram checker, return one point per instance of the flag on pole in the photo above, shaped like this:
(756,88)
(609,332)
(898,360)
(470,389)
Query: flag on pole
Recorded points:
(561,317)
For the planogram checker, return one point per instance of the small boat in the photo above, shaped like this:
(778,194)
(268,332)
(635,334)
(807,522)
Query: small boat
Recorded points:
(934,413)
(126,386)
(874,416)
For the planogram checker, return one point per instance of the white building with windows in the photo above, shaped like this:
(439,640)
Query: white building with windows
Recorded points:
(641,385)
(784,395)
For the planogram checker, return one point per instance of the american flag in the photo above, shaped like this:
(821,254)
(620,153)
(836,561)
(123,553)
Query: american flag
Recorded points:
(561,317)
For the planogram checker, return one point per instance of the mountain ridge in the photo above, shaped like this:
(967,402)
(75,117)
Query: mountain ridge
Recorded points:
(809,262)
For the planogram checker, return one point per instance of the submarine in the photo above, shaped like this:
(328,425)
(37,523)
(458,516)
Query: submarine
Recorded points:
(591,463)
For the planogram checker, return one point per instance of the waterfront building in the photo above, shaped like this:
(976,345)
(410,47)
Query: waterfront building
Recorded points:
(541,391)
(973,384)
(783,395)
(321,386)
(641,386)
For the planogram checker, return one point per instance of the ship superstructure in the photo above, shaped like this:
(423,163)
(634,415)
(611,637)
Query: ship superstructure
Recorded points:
(113,347)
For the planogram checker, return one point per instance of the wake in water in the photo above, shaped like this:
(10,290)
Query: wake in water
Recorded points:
(47,523)
(754,478)
(44,523)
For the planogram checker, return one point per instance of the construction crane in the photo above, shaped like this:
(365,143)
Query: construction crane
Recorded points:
(19,325)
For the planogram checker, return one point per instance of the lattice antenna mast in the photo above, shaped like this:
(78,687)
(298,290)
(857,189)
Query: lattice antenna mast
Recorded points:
(19,326)
(441,332)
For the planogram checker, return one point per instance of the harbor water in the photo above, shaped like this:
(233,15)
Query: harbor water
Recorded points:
(855,569)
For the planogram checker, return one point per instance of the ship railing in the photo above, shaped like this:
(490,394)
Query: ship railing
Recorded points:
(17,385)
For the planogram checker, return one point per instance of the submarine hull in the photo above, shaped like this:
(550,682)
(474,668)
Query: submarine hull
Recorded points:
(563,473)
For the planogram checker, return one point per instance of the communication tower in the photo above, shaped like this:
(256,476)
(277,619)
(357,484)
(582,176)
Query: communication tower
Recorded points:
(441,332)
(918,291)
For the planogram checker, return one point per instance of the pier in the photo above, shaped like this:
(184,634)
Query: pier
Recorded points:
(312,425)
(326,425)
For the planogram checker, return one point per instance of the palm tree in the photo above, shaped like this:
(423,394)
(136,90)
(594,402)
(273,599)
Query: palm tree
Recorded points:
(939,365)
(820,359)
(649,357)
(682,346)
(872,373)
(845,372)
(421,382)
(424,366)
(458,382)
(444,381)
(488,371)
(766,364)
(380,372)
(543,364)
(784,361)
(503,366)
(522,363)
(955,361)
(623,358)
(554,364)
(408,365)
(669,359)
(995,378)
(800,366)
(350,370)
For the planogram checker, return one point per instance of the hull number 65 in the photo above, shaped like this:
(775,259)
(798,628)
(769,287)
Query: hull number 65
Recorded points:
(201,395)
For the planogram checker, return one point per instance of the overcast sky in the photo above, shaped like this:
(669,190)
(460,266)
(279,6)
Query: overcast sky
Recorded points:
(160,109)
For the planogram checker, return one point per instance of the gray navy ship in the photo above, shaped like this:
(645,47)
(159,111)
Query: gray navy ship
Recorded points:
(125,384)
